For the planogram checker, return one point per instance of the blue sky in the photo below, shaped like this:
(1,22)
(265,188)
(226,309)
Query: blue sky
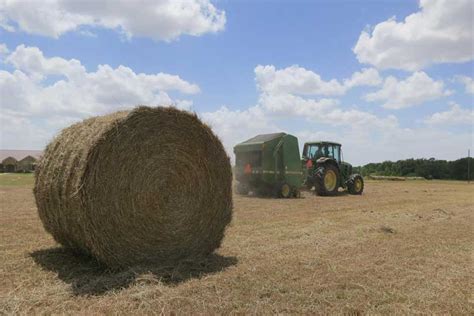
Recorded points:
(303,44)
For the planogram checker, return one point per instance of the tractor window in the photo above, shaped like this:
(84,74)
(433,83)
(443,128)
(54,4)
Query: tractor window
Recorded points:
(337,153)
(330,151)
(312,151)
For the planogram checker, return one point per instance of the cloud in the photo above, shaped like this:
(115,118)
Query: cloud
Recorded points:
(325,111)
(30,60)
(285,104)
(422,142)
(88,93)
(283,93)
(19,132)
(416,89)
(234,126)
(441,32)
(3,49)
(468,83)
(298,80)
(355,119)
(159,20)
(289,92)
(295,79)
(393,143)
(366,77)
(454,116)
(41,95)
(45,94)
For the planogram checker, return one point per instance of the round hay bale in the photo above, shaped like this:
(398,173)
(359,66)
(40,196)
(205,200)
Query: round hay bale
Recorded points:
(141,186)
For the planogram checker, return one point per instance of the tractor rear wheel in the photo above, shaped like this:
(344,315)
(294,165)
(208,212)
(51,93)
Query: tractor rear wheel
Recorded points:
(355,184)
(327,178)
(242,189)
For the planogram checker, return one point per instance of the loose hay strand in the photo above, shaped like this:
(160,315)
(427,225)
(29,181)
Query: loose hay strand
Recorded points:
(148,185)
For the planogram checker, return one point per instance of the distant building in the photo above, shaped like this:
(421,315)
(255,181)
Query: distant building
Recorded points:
(19,160)
(27,164)
(9,164)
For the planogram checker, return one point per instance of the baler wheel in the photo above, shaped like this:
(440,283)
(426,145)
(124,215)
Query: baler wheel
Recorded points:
(285,191)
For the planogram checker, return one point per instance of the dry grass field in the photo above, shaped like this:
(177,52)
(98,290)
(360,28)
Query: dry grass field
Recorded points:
(402,247)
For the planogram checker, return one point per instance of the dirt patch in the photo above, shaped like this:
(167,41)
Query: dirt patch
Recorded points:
(387,230)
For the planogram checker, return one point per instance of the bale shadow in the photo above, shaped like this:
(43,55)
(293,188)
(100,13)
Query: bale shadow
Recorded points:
(337,194)
(88,277)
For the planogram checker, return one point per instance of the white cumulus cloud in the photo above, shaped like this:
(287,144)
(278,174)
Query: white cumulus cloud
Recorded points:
(441,32)
(416,89)
(48,93)
(3,49)
(31,61)
(456,115)
(295,79)
(159,20)
(234,126)
(285,104)
(366,77)
(468,83)
(298,80)
(285,93)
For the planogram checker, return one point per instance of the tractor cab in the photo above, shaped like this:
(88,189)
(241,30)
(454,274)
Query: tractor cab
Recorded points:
(315,150)
(324,169)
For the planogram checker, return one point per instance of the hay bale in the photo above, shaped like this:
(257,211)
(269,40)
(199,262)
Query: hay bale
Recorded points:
(141,186)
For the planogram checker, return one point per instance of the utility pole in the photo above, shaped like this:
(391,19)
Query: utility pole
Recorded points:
(468,166)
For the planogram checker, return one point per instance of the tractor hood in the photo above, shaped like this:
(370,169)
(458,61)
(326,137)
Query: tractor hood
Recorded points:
(346,164)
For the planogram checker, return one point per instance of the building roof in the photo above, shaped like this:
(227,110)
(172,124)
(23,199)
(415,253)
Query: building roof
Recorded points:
(19,154)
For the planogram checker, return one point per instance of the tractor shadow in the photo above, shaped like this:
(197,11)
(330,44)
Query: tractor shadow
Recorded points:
(260,196)
(304,194)
(88,277)
(340,192)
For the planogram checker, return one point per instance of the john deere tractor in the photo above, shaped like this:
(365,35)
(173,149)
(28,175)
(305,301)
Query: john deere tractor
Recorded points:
(325,170)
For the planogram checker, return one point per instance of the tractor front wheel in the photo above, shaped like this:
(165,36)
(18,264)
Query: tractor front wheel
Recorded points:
(355,184)
(327,178)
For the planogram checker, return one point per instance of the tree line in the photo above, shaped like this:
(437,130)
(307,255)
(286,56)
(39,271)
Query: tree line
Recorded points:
(426,168)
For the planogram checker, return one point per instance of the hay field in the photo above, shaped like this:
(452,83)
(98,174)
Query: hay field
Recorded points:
(402,247)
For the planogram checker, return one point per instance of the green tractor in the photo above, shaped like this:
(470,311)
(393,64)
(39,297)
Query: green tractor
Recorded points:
(325,170)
